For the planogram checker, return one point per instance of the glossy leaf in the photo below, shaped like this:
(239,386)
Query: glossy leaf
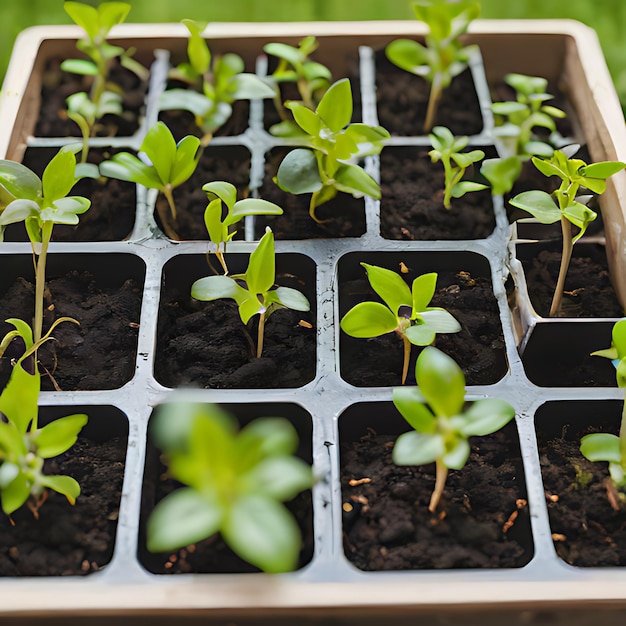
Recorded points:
(261,270)
(335,107)
(298,172)
(251,206)
(422,291)
(441,381)
(539,204)
(440,320)
(290,298)
(601,447)
(308,120)
(368,319)
(353,179)
(420,334)
(65,485)
(59,435)
(390,286)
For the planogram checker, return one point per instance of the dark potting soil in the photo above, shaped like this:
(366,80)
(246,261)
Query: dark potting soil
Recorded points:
(205,344)
(403,99)
(412,208)
(98,354)
(57,85)
(111,215)
(211,555)
(482,520)
(588,289)
(230,164)
(343,216)
(69,540)
(586,530)
(478,348)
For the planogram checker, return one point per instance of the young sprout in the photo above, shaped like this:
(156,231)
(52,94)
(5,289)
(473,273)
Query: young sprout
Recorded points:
(324,166)
(294,66)
(170,164)
(104,97)
(222,81)
(253,291)
(41,203)
(219,225)
(405,311)
(443,57)
(447,149)
(23,445)
(435,410)
(564,205)
(604,446)
(516,121)
(235,483)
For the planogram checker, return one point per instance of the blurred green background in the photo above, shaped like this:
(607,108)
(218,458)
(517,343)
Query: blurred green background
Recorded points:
(607,17)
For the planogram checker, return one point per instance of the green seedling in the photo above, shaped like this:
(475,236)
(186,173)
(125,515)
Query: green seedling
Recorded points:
(41,203)
(447,149)
(604,446)
(104,97)
(222,81)
(254,292)
(170,165)
(323,168)
(501,173)
(294,66)
(443,57)
(516,121)
(442,426)
(564,204)
(23,445)
(235,483)
(219,220)
(405,311)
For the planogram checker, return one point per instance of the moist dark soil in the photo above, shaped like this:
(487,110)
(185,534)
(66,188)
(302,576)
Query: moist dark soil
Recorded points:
(111,215)
(230,164)
(211,555)
(343,216)
(58,85)
(403,99)
(588,288)
(69,540)
(482,520)
(205,344)
(98,354)
(412,208)
(478,348)
(586,530)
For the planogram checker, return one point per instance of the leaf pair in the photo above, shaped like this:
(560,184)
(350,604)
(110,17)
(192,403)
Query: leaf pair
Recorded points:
(235,481)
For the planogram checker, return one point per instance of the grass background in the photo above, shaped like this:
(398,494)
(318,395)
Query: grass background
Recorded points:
(607,17)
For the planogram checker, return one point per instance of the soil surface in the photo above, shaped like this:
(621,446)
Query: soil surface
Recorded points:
(111,215)
(586,530)
(205,344)
(412,200)
(69,540)
(482,520)
(478,348)
(343,216)
(58,85)
(403,98)
(588,289)
(98,354)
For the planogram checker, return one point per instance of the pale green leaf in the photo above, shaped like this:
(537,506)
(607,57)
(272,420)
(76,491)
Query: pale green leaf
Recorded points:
(539,204)
(59,435)
(298,172)
(390,286)
(486,416)
(415,448)
(601,447)
(369,319)
(412,406)
(441,381)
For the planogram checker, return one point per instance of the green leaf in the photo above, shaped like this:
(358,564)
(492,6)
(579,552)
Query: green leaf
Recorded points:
(601,447)
(226,192)
(65,485)
(261,271)
(284,51)
(298,173)
(182,518)
(369,319)
(213,222)
(216,287)
(197,49)
(581,216)
(352,179)
(251,206)
(466,186)
(126,166)
(603,169)
(18,401)
(412,406)
(250,307)
(441,381)
(84,15)
(390,286)
(290,298)
(465,159)
(308,120)
(440,320)
(159,146)
(501,173)
(539,204)
(277,436)
(263,532)
(420,334)
(186,159)
(486,416)
(186,100)
(8,471)
(549,168)
(409,55)
(281,478)
(422,291)
(112,13)
(20,181)
(18,211)
(251,87)
(335,107)
(456,456)
(59,435)
(80,66)
(508,108)
(415,448)
(14,495)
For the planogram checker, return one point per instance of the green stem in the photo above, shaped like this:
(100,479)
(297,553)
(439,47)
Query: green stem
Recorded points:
(259,347)
(169,231)
(566,255)
(40,279)
(440,482)
(433,102)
